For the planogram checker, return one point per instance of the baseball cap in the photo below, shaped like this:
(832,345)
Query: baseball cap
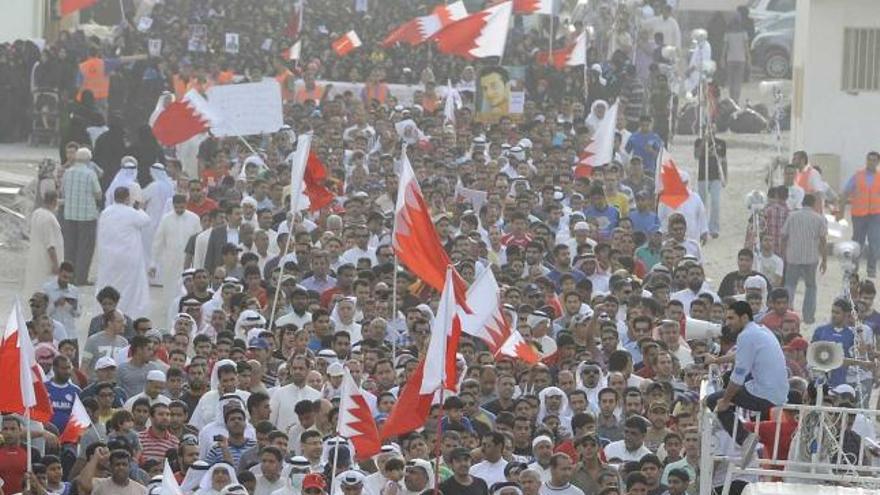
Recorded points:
(156,376)
(581,226)
(421,464)
(844,389)
(797,344)
(541,439)
(104,363)
(313,480)
(258,343)
(460,453)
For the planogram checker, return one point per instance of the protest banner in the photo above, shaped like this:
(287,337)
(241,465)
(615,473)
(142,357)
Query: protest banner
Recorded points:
(247,109)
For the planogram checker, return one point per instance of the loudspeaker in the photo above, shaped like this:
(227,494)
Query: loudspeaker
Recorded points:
(701,329)
(825,356)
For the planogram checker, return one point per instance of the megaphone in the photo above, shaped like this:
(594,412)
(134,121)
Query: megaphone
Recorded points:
(695,329)
(825,356)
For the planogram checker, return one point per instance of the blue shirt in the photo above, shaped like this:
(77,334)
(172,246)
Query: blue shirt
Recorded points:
(62,397)
(644,221)
(607,219)
(759,354)
(555,275)
(843,336)
(639,143)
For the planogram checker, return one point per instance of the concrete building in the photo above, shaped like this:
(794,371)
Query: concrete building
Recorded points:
(836,83)
(23,19)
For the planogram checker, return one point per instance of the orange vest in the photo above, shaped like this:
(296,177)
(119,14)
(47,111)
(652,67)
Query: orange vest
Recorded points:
(378,92)
(94,78)
(283,79)
(225,77)
(303,94)
(429,104)
(803,179)
(865,200)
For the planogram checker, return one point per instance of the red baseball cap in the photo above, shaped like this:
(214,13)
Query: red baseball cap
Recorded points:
(797,344)
(313,480)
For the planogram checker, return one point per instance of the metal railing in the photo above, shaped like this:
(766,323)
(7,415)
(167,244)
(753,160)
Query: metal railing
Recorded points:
(820,443)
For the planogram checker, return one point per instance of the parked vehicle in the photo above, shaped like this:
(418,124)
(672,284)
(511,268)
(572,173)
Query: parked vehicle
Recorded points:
(772,47)
(765,10)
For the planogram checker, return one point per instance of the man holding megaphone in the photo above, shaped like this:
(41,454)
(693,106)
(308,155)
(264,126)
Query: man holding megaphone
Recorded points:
(759,380)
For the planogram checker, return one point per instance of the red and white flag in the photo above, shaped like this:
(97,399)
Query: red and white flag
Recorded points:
(78,423)
(21,388)
(415,238)
(308,176)
(179,121)
(356,421)
(294,52)
(573,55)
(418,30)
(169,482)
(600,150)
(479,35)
(295,21)
(486,321)
(671,188)
(436,370)
(529,7)
(71,6)
(516,347)
(346,43)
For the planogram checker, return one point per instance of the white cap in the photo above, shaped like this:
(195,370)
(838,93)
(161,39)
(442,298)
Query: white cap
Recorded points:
(351,478)
(844,389)
(540,439)
(581,226)
(105,362)
(83,155)
(335,369)
(156,376)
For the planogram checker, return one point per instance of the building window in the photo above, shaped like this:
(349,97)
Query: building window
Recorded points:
(861,59)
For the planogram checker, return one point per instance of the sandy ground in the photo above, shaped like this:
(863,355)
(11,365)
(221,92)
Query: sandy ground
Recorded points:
(748,158)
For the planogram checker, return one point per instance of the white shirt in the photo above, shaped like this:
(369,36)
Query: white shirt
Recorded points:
(769,266)
(352,255)
(489,472)
(618,450)
(206,410)
(795,197)
(567,489)
(687,296)
(283,401)
(694,212)
(545,472)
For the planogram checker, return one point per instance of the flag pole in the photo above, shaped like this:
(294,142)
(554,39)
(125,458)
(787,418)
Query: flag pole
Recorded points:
(30,460)
(281,273)
(393,318)
(335,458)
(437,452)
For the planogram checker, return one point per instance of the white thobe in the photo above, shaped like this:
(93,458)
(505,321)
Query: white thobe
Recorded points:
(694,212)
(169,242)
(157,197)
(45,233)
(283,401)
(120,257)
(200,251)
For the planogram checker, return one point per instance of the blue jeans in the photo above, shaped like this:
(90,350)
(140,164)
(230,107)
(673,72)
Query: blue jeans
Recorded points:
(793,274)
(713,203)
(866,229)
(744,400)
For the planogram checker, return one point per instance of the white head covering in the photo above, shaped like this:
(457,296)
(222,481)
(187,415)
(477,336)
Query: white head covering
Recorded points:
(564,412)
(163,182)
(593,120)
(334,315)
(215,374)
(126,177)
(194,475)
(206,484)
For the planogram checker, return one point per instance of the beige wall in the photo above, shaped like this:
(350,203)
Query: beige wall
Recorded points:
(21,19)
(824,118)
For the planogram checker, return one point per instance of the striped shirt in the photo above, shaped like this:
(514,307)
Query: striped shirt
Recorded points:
(80,185)
(156,445)
(802,230)
(215,455)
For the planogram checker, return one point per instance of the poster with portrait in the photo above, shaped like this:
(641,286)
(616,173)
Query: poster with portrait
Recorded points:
(198,38)
(154,47)
(500,93)
(231,44)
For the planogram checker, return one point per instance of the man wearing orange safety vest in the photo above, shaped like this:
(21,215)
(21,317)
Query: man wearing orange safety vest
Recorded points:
(94,75)
(286,80)
(809,179)
(862,193)
(374,89)
(310,90)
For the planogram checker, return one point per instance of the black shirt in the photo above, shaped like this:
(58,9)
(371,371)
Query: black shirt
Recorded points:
(452,487)
(720,153)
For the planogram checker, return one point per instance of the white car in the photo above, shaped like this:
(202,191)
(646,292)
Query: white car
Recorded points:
(765,10)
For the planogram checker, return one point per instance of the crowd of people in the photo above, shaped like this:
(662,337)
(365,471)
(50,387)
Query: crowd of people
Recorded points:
(231,371)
